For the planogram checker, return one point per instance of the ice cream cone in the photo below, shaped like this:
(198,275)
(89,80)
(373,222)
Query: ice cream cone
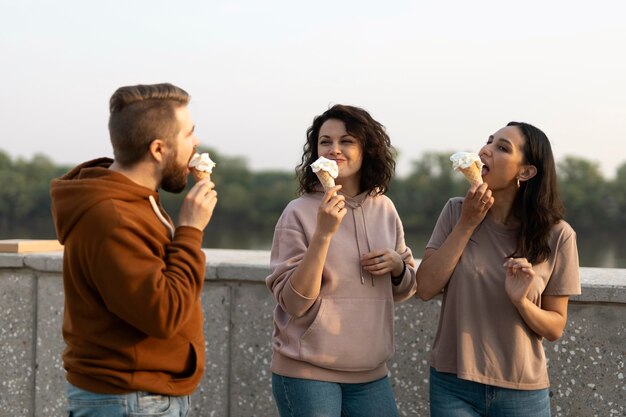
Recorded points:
(200,175)
(472,173)
(326,171)
(470,165)
(326,179)
(201,166)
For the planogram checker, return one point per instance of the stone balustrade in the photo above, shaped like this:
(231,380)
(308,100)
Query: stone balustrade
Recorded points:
(586,364)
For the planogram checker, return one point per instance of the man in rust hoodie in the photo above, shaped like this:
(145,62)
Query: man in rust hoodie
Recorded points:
(132,277)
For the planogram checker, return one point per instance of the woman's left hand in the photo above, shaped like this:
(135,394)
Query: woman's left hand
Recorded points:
(383,261)
(519,277)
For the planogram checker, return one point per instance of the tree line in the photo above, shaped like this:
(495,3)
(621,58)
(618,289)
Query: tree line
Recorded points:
(251,202)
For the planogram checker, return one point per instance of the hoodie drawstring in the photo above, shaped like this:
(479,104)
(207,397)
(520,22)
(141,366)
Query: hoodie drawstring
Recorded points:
(356,231)
(358,247)
(367,238)
(158,213)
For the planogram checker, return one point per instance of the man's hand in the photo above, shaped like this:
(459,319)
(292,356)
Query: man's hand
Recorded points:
(197,208)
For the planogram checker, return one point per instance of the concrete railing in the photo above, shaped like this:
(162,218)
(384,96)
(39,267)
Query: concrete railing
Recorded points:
(586,364)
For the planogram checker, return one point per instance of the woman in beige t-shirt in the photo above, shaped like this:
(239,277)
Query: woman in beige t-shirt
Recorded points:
(506,262)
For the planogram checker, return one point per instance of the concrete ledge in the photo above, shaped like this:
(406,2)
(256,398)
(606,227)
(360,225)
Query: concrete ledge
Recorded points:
(227,264)
(586,365)
(11,260)
(601,285)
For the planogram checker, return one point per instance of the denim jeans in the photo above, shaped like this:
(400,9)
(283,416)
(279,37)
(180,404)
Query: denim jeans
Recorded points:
(83,403)
(454,397)
(297,397)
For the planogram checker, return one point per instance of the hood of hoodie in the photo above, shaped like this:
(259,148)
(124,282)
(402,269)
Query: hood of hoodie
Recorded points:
(89,184)
(356,215)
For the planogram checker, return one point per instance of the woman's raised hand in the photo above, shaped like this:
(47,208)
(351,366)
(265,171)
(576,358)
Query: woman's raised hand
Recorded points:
(519,277)
(331,211)
(476,205)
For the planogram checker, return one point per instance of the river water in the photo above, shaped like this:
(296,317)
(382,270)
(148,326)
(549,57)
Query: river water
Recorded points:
(599,251)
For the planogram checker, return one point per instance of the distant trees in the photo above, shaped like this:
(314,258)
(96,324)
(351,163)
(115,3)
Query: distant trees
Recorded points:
(421,195)
(617,190)
(592,204)
(589,201)
(251,202)
(25,198)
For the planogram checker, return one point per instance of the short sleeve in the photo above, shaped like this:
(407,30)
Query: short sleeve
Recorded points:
(445,223)
(565,277)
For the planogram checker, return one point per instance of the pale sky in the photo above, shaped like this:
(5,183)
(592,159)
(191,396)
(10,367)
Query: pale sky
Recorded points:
(440,75)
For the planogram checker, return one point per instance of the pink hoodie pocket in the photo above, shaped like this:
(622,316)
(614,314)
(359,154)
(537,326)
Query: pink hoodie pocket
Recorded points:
(350,334)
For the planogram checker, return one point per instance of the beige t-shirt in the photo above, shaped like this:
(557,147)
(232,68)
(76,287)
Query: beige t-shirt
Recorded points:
(481,336)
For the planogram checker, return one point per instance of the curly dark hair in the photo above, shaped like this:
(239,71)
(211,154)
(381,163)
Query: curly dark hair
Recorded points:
(378,164)
(537,204)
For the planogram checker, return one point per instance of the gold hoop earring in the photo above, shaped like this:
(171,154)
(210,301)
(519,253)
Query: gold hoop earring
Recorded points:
(518,184)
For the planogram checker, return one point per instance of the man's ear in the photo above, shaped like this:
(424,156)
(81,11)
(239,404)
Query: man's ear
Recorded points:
(527,172)
(157,149)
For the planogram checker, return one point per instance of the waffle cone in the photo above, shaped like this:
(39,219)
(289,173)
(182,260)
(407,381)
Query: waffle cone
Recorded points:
(326,179)
(472,173)
(200,175)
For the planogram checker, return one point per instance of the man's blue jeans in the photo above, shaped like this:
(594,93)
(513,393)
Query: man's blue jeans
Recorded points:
(83,403)
(297,397)
(454,397)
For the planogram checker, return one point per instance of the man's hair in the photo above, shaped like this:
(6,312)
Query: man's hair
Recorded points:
(140,114)
(378,155)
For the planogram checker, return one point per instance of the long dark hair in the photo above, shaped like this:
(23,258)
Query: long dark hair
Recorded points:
(537,203)
(378,164)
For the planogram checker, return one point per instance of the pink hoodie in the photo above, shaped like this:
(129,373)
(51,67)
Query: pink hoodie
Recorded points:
(346,333)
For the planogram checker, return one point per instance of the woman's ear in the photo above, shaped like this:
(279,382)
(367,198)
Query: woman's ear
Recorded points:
(527,172)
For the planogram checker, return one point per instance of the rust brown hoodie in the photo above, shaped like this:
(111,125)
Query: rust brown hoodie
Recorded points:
(133,316)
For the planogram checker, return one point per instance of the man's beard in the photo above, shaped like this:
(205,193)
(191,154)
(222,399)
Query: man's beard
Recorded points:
(174,178)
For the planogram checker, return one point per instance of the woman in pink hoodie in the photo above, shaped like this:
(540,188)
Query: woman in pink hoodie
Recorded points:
(339,263)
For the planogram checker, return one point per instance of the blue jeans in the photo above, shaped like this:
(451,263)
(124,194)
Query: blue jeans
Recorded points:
(297,397)
(83,403)
(454,397)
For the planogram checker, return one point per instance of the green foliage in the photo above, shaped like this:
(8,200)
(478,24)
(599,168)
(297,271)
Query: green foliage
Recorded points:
(420,197)
(25,198)
(588,202)
(617,193)
(249,203)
